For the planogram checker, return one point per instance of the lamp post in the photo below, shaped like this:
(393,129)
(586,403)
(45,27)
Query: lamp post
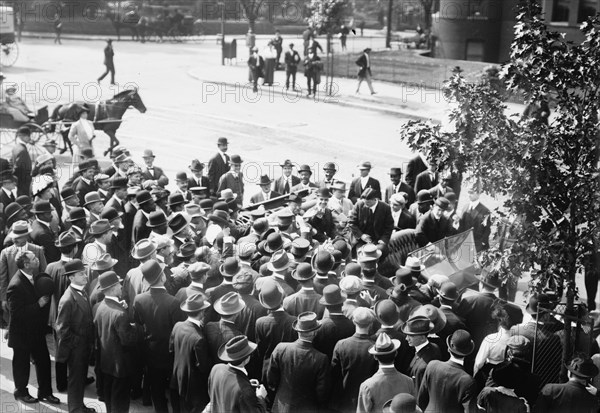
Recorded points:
(388,37)
(222,6)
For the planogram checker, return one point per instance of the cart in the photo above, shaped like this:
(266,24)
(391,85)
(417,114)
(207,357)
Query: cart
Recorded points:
(9,49)
(38,125)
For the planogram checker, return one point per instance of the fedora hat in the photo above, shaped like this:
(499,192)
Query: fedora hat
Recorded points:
(386,312)
(186,250)
(177,223)
(227,194)
(231,303)
(103,263)
(206,204)
(143,196)
(306,321)
(403,276)
(304,168)
(238,348)
(351,284)
(41,207)
(76,214)
(460,343)
(148,154)
(176,198)
(123,157)
(280,261)
(142,249)
(423,196)
(384,345)
(270,295)
(221,206)
(265,180)
(110,214)
(66,238)
(402,403)
(235,160)
(152,271)
(196,165)
(20,229)
(369,252)
(108,279)
(156,219)
(368,193)
(44,284)
(230,267)
(417,326)
(193,210)
(583,367)
(219,217)
(274,243)
(365,165)
(74,266)
(332,295)
(195,303)
(285,163)
(118,182)
(322,261)
(339,186)
(303,272)
(100,226)
(434,314)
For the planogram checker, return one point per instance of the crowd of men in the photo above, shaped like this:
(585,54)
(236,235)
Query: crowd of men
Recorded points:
(194,299)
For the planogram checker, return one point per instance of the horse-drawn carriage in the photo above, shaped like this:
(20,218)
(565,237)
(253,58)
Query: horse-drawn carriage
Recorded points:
(37,124)
(9,49)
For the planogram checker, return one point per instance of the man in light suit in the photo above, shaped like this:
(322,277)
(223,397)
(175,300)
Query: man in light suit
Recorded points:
(398,186)
(151,172)
(82,133)
(75,332)
(287,181)
(218,165)
(265,194)
(21,161)
(358,185)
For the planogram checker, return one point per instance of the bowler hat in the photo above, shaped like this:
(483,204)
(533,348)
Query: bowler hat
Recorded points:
(181,176)
(11,210)
(221,205)
(369,252)
(206,204)
(306,321)
(329,166)
(41,207)
(195,303)
(148,154)
(196,165)
(151,271)
(448,291)
(303,272)
(352,268)
(460,343)
(304,168)
(332,295)
(369,193)
(442,203)
(434,314)
(67,192)
(270,295)
(44,284)
(274,242)
(142,249)
(322,261)
(108,279)
(229,304)
(143,196)
(219,217)
(177,223)
(402,403)
(351,284)
(100,227)
(76,214)
(24,201)
(384,345)
(24,130)
(537,302)
(417,326)
(238,348)
(118,182)
(323,193)
(74,266)
(230,267)
(110,213)
(386,312)
(222,141)
(176,198)
(265,180)
(235,159)
(279,261)
(395,171)
(104,263)
(424,196)
(186,250)
(65,239)
(156,219)
(20,229)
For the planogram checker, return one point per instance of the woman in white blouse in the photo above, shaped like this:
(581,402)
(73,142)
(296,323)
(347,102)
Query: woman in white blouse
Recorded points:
(81,134)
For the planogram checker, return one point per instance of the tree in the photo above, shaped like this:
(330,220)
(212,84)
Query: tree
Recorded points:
(548,173)
(427,6)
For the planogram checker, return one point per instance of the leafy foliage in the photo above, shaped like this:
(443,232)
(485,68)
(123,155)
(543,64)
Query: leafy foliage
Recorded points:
(327,16)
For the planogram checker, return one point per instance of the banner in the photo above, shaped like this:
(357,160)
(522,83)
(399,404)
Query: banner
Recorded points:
(454,256)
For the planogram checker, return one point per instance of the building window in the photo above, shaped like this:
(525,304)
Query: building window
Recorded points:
(560,11)
(587,8)
(475,50)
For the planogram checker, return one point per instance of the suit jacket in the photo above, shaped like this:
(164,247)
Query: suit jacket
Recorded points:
(157,174)
(28,322)
(191,366)
(405,220)
(446,387)
(380,388)
(350,366)
(217,333)
(303,300)
(334,327)
(230,391)
(425,181)
(356,188)
(84,188)
(74,324)
(21,164)
(453,323)
(378,225)
(271,330)
(134,284)
(246,319)
(431,230)
(139,229)
(8,265)
(299,376)
(204,182)
(118,206)
(256,65)
(479,219)
(216,169)
(300,187)
(5,200)
(324,225)
(403,187)
(43,236)
(477,310)
(56,270)
(422,358)
(228,181)
(259,197)
(119,251)
(117,339)
(157,312)
(279,184)
(414,167)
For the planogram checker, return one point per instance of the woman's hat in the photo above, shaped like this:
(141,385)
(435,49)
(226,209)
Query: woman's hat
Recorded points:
(238,348)
(384,345)
(460,343)
(306,322)
(231,303)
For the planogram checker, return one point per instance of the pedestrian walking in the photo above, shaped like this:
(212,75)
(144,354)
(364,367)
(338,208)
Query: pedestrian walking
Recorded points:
(57,28)
(256,63)
(292,59)
(361,26)
(364,73)
(109,55)
(344,31)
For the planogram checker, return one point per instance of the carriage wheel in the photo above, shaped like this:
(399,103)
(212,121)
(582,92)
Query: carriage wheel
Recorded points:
(38,138)
(10,53)
(7,137)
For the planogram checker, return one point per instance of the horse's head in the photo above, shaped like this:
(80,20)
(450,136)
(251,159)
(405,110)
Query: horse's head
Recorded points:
(134,99)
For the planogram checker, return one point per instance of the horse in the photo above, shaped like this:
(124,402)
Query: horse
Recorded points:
(106,115)
(129,21)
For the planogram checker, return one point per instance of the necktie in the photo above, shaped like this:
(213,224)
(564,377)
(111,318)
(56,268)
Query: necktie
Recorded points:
(12,197)
(286,189)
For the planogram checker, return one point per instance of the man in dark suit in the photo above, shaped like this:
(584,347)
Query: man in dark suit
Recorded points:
(305,184)
(287,181)
(229,387)
(7,196)
(306,299)
(448,294)
(335,326)
(265,194)
(117,248)
(191,365)
(86,182)
(27,330)
(446,386)
(219,332)
(372,221)
(434,226)
(364,72)
(256,64)
(414,167)
(116,340)
(75,332)
(139,229)
(298,374)
(21,161)
(428,178)
(41,233)
(477,216)
(358,185)
(151,172)
(218,165)
(233,179)
(416,330)
(243,283)
(197,179)
(401,218)
(118,186)
(157,312)
(398,186)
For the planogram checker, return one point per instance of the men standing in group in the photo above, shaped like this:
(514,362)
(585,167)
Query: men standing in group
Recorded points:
(287,181)
(21,161)
(477,216)
(218,165)
(233,179)
(358,185)
(398,186)
(75,332)
(27,330)
(292,59)
(109,55)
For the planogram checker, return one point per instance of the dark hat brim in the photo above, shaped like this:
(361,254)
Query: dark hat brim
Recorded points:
(221,353)
(458,352)
(396,345)
(323,301)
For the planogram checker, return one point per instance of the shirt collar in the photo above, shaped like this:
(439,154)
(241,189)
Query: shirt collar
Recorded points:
(9,193)
(64,258)
(457,361)
(308,289)
(28,276)
(87,181)
(374,206)
(243,370)
(197,285)
(46,224)
(420,346)
(77,287)
(474,204)
(196,322)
